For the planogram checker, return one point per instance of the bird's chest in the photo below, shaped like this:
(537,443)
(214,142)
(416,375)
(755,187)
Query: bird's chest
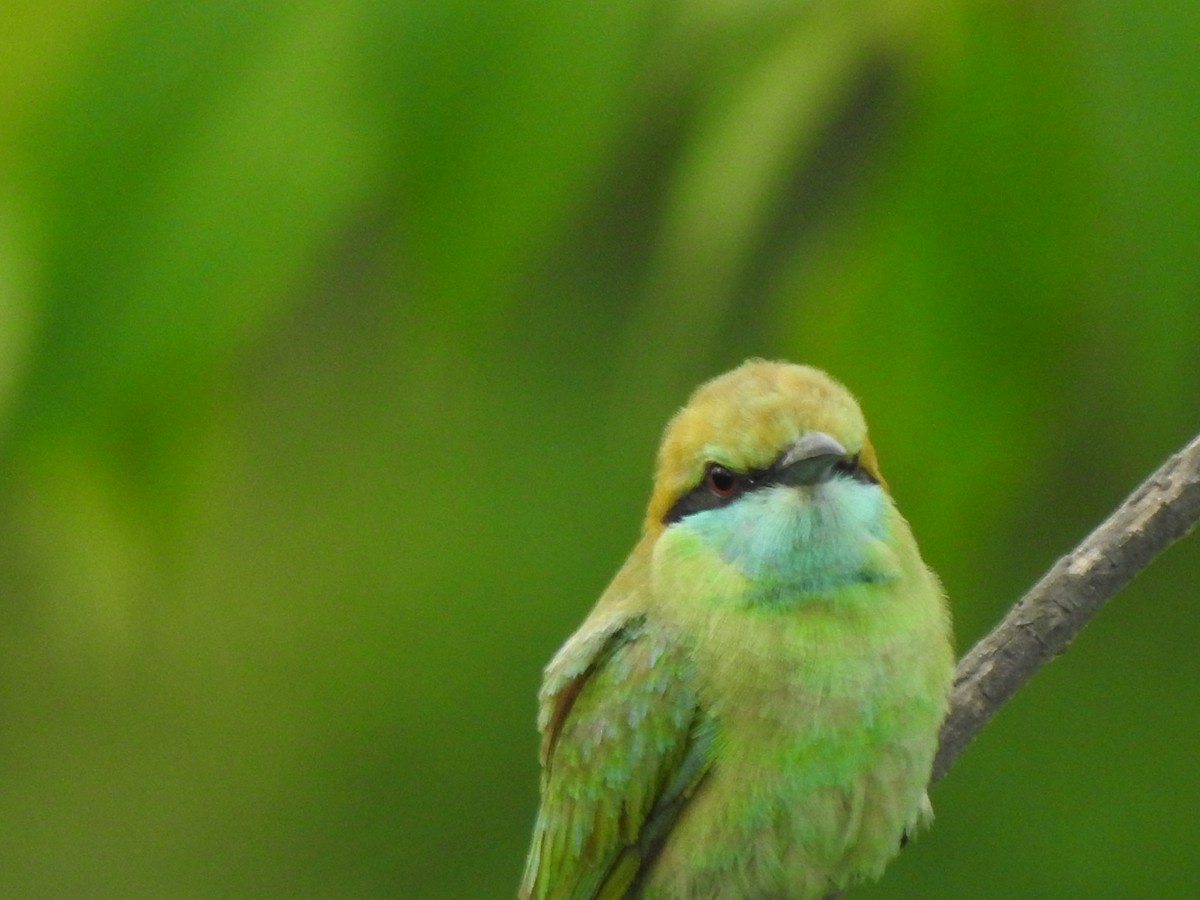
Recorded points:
(818,675)
(810,709)
(821,757)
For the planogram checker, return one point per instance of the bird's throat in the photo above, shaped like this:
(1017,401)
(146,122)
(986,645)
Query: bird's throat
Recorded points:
(793,545)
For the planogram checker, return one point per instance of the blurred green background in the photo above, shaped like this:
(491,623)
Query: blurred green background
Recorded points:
(336,339)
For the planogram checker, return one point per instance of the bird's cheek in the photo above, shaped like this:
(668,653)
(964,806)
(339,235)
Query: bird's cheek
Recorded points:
(684,567)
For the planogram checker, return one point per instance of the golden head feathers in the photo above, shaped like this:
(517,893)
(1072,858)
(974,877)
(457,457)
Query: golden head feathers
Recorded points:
(744,418)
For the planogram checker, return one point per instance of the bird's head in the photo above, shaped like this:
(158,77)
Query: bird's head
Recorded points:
(768,470)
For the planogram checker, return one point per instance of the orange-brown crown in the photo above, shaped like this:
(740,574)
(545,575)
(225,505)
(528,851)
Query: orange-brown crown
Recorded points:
(745,418)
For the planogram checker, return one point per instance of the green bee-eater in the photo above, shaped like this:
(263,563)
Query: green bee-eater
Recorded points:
(752,708)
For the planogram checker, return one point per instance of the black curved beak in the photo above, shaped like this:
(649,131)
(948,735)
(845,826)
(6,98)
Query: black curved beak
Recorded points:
(811,460)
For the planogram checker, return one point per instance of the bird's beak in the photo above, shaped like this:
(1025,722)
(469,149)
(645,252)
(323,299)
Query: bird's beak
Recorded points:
(810,460)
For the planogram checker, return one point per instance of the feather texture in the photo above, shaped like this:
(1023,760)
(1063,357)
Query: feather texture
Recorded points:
(751,710)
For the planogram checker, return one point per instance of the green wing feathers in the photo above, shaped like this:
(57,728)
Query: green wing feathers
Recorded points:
(623,746)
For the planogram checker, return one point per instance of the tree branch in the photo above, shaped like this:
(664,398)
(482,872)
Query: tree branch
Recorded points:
(1043,623)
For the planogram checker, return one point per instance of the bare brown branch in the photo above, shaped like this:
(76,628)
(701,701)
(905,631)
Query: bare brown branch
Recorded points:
(1163,509)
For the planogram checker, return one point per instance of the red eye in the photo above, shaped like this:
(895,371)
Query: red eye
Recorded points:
(720,480)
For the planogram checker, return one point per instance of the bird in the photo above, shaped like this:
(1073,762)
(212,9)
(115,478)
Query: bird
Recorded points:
(751,710)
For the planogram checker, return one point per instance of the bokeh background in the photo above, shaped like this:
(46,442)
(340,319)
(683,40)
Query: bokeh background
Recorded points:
(336,340)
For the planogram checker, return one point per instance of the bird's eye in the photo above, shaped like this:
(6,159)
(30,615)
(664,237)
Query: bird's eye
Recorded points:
(720,480)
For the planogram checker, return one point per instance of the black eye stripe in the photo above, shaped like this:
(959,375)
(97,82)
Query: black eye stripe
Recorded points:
(853,468)
(696,500)
(703,496)
(708,494)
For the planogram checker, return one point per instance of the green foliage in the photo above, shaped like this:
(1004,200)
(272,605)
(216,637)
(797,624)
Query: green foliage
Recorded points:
(334,345)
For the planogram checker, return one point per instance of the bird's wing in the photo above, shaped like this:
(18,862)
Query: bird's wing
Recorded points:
(624,744)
